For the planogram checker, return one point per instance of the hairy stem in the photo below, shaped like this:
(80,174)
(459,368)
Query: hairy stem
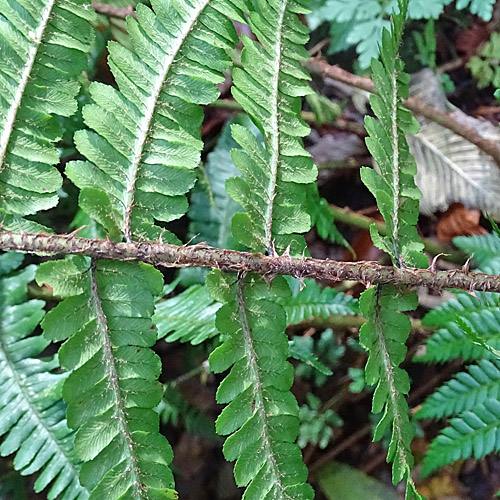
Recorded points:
(157,253)
(446,120)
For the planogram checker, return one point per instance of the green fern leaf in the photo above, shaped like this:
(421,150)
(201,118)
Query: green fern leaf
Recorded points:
(188,317)
(474,433)
(145,144)
(32,414)
(483,8)
(269,86)
(394,186)
(112,389)
(44,46)
(485,250)
(211,208)
(465,391)
(313,300)
(384,336)
(450,341)
(261,415)
(386,331)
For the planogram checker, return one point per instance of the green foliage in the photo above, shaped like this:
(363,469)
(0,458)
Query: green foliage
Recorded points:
(394,185)
(384,337)
(275,174)
(145,140)
(468,327)
(261,416)
(386,331)
(315,424)
(188,317)
(32,415)
(360,23)
(465,391)
(484,67)
(44,48)
(473,433)
(317,356)
(310,300)
(450,341)
(105,323)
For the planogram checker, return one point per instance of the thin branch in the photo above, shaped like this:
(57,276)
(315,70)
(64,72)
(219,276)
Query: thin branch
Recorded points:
(415,105)
(160,254)
(112,11)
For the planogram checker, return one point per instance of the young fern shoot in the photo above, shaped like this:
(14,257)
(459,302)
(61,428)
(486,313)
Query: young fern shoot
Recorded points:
(387,329)
(262,414)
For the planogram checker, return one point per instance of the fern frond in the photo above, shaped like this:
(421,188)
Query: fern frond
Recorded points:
(32,414)
(384,336)
(394,186)
(112,389)
(469,328)
(313,300)
(482,314)
(188,317)
(465,391)
(485,250)
(474,433)
(211,209)
(145,142)
(386,331)
(44,47)
(269,87)
(261,415)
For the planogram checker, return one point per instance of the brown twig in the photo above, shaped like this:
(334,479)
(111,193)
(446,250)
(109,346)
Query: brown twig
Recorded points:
(112,11)
(160,254)
(415,105)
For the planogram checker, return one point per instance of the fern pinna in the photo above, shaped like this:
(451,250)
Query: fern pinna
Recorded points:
(393,186)
(470,399)
(262,415)
(32,414)
(44,47)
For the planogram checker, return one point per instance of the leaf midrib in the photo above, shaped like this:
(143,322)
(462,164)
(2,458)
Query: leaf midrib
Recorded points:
(144,125)
(259,396)
(275,132)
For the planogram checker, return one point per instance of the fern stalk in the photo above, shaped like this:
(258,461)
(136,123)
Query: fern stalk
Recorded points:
(275,133)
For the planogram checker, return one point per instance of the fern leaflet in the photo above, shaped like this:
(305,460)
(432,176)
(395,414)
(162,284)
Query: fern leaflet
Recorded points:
(394,187)
(465,391)
(387,329)
(112,389)
(188,317)
(44,46)
(468,328)
(145,142)
(313,300)
(32,415)
(262,414)
(268,88)
(384,336)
